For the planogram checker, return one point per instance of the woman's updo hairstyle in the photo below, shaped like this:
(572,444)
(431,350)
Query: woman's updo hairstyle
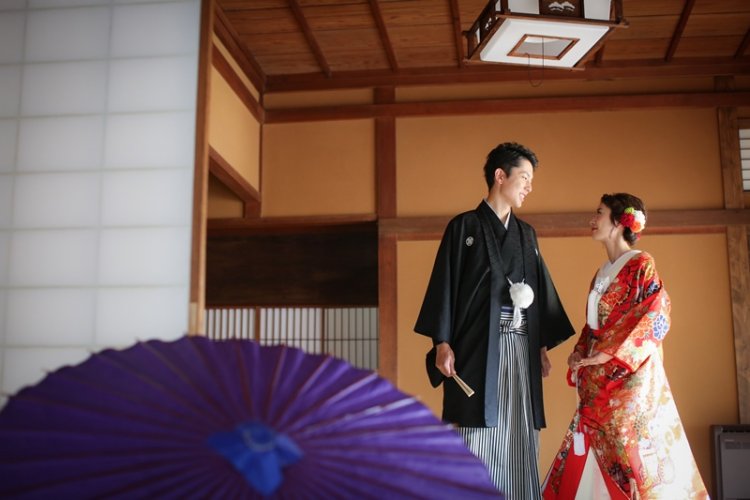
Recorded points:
(618,203)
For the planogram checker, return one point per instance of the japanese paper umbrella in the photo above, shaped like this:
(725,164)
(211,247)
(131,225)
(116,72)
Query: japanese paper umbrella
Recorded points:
(196,418)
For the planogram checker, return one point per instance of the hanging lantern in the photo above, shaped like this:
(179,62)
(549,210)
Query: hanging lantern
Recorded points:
(550,33)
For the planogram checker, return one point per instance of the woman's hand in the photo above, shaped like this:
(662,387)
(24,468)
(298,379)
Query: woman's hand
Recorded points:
(445,359)
(597,358)
(573,360)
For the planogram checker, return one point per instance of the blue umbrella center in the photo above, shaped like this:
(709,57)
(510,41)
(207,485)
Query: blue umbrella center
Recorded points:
(258,453)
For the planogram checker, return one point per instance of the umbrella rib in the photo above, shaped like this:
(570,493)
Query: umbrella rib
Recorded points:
(158,385)
(342,392)
(226,391)
(372,411)
(186,378)
(246,393)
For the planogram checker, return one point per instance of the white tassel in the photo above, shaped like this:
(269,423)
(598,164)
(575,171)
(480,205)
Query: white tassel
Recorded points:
(522,296)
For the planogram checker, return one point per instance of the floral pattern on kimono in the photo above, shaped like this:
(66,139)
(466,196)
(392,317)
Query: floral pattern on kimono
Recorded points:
(626,410)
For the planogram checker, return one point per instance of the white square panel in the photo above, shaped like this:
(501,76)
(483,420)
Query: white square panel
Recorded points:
(56,200)
(64,88)
(11,37)
(149,256)
(156,29)
(152,84)
(25,366)
(10,90)
(147,198)
(6,199)
(53,258)
(8,140)
(150,140)
(42,317)
(512,31)
(130,314)
(12,4)
(66,34)
(70,143)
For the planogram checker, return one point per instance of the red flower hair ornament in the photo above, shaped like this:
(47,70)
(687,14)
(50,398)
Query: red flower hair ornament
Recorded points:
(633,219)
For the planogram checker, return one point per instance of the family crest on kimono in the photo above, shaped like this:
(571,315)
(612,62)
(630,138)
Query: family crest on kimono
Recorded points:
(492,312)
(626,440)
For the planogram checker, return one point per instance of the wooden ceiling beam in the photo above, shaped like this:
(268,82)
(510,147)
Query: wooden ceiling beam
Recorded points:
(310,37)
(229,37)
(483,73)
(383,31)
(510,105)
(684,17)
(458,38)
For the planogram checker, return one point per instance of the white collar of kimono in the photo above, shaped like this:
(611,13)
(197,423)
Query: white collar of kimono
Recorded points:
(507,218)
(604,277)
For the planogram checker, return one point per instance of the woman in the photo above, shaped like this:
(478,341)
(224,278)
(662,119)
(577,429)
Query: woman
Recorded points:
(626,440)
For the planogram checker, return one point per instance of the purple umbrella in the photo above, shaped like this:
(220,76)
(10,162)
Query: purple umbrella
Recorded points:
(227,419)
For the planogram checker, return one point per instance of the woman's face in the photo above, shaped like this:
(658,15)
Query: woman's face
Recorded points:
(602,228)
(516,187)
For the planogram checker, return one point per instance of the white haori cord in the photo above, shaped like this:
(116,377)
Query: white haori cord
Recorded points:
(522,296)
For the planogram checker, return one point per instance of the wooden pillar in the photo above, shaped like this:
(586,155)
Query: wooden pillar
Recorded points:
(737,248)
(197,306)
(385,171)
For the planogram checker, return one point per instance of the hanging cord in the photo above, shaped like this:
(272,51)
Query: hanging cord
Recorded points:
(528,68)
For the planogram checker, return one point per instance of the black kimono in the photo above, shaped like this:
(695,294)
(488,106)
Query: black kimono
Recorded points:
(462,305)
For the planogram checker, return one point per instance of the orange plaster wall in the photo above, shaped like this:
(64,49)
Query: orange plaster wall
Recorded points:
(582,155)
(668,157)
(233,131)
(699,352)
(319,168)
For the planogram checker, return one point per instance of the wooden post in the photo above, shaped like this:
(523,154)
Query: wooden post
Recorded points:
(197,306)
(737,248)
(385,168)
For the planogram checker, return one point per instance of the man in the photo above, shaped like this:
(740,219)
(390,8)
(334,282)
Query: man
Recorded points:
(476,310)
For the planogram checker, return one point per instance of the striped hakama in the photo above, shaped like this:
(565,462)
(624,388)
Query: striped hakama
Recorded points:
(510,450)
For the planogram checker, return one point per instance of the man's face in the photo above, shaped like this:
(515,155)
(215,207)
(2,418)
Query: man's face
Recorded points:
(516,187)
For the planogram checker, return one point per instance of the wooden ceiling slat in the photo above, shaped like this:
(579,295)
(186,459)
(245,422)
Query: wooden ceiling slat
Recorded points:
(340,17)
(718,24)
(416,13)
(696,47)
(384,39)
(679,29)
(262,22)
(305,27)
(646,27)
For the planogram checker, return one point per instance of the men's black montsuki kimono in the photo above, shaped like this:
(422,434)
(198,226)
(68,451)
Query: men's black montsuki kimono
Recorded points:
(468,286)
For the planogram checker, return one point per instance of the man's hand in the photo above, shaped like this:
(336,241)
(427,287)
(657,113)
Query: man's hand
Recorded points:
(546,365)
(445,359)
